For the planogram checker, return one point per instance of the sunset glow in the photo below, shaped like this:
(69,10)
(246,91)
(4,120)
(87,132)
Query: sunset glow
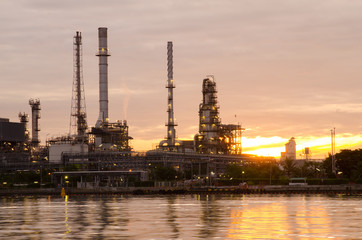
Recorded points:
(273,146)
(273,73)
(319,146)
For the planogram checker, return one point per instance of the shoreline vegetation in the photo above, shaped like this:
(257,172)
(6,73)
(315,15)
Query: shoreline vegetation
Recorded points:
(344,189)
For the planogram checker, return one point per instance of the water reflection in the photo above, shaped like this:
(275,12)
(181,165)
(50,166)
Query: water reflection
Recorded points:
(181,217)
(172,217)
(66,224)
(284,218)
(258,220)
(209,217)
(81,218)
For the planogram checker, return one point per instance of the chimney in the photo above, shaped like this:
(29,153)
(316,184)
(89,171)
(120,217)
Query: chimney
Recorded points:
(103,55)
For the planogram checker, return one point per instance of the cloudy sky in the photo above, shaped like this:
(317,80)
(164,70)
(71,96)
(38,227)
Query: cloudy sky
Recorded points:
(284,68)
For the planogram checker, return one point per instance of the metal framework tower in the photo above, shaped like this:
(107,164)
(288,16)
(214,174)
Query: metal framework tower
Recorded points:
(170,142)
(103,54)
(171,132)
(78,122)
(35,116)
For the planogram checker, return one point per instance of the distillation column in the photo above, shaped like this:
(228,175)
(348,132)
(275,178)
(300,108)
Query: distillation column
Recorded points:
(208,139)
(24,119)
(103,55)
(35,116)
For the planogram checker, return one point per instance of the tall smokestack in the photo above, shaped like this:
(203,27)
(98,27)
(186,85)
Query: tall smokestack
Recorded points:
(171,132)
(170,143)
(103,55)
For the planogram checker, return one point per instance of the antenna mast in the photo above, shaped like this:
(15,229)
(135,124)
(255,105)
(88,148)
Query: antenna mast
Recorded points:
(78,122)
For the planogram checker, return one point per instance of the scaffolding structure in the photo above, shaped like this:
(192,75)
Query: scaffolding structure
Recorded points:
(230,137)
(112,136)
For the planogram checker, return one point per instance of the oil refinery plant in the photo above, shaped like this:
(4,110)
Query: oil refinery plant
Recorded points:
(106,145)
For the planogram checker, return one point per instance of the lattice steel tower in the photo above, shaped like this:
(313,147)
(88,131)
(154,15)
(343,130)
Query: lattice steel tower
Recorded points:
(170,143)
(78,122)
(171,132)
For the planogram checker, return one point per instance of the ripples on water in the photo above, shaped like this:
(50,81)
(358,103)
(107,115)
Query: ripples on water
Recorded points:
(182,217)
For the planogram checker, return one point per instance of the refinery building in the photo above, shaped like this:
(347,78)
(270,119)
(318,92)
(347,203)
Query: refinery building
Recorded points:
(105,146)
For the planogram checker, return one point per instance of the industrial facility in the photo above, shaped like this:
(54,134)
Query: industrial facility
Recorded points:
(213,136)
(106,145)
(107,135)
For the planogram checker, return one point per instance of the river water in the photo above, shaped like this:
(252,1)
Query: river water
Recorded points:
(182,217)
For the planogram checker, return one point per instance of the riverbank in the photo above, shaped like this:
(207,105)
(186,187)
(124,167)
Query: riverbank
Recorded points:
(348,189)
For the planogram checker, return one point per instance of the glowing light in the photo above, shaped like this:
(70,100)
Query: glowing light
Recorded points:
(319,146)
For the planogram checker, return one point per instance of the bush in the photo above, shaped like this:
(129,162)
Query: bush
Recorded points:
(335,181)
(49,185)
(33,185)
(145,184)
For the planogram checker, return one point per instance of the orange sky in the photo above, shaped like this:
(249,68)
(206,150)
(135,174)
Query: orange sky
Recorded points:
(284,68)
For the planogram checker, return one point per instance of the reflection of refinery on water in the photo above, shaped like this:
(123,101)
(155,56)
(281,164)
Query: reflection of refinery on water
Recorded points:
(106,146)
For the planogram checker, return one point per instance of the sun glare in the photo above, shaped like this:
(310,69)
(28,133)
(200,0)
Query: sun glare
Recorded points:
(273,146)
(320,147)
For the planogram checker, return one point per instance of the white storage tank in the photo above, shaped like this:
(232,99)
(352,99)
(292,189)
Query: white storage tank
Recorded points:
(56,150)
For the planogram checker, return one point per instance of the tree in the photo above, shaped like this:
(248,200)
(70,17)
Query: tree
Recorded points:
(165,173)
(253,170)
(348,164)
(289,166)
(311,169)
(234,171)
(327,166)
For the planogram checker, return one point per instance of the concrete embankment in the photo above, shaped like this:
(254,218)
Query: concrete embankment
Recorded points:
(355,189)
